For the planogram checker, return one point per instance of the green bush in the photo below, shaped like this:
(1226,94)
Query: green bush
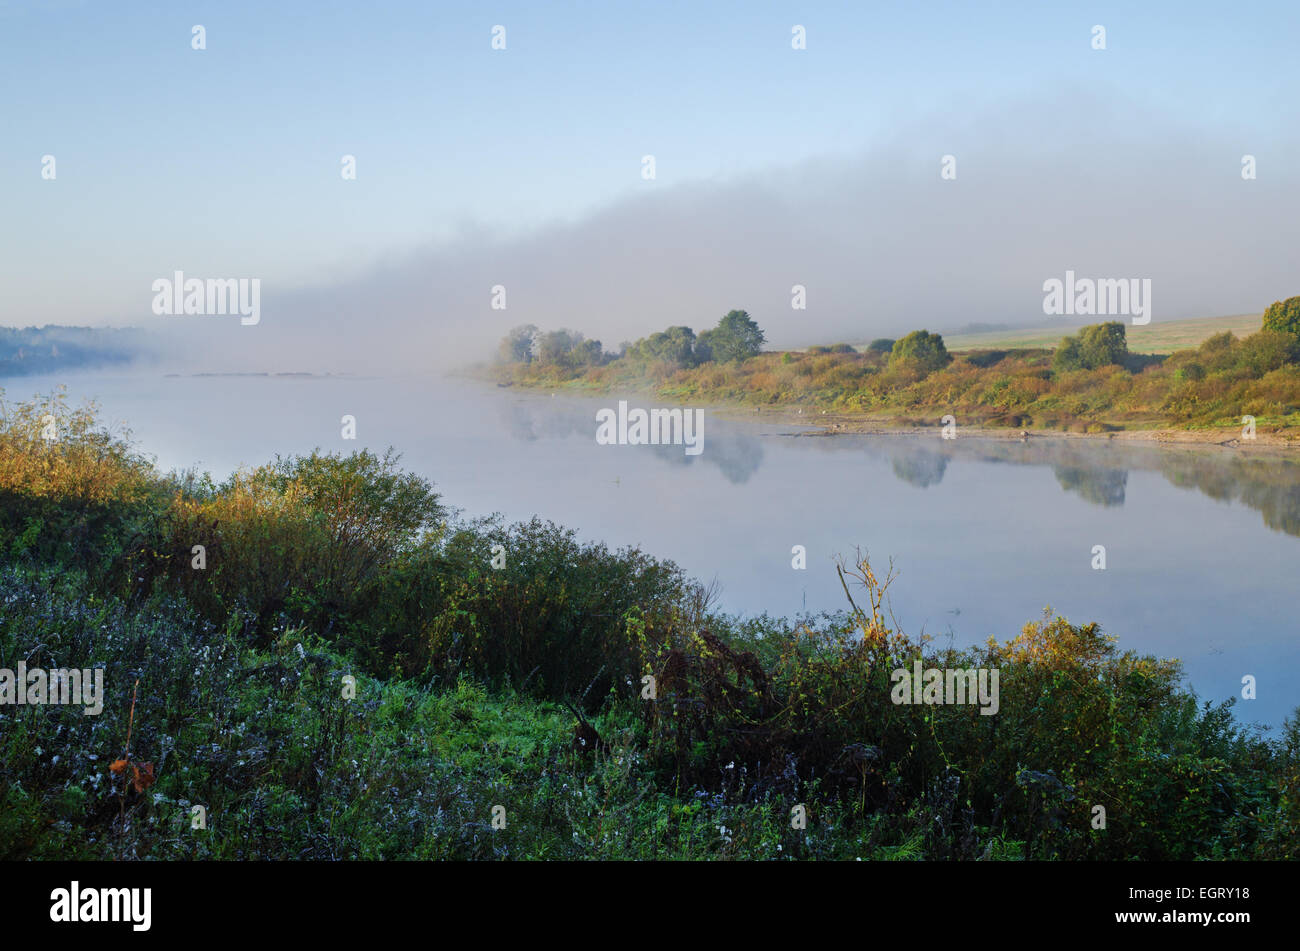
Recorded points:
(549,620)
(1068,356)
(306,537)
(1283,316)
(920,351)
(71,491)
(1095,346)
(1268,350)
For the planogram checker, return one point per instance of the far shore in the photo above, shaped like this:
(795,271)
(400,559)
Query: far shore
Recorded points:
(829,423)
(832,424)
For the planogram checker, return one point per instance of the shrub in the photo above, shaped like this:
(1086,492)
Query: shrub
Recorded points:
(76,498)
(1068,356)
(306,536)
(677,346)
(1095,346)
(1268,350)
(551,619)
(921,351)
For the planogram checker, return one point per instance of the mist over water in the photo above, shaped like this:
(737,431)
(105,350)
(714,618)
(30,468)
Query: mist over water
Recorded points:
(1203,546)
(882,245)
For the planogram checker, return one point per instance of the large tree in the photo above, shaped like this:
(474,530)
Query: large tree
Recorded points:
(588,353)
(517,346)
(675,346)
(737,337)
(553,348)
(920,350)
(1096,345)
(1283,316)
(1103,344)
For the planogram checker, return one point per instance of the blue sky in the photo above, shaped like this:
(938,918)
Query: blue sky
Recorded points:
(226,160)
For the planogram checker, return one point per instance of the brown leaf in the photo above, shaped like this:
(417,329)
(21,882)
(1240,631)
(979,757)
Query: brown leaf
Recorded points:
(143,777)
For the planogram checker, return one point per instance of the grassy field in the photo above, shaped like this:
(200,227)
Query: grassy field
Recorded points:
(1156,337)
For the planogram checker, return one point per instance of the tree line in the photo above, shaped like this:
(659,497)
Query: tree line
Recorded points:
(737,337)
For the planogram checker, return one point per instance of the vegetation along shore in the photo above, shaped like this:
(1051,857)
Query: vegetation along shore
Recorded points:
(1225,390)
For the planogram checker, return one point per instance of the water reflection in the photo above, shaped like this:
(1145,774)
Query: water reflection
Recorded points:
(1098,472)
(1094,470)
(921,467)
(735,450)
(1096,485)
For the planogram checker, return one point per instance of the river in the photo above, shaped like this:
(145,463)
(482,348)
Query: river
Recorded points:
(1202,546)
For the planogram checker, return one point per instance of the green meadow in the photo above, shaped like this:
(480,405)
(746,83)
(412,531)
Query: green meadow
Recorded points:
(1159,336)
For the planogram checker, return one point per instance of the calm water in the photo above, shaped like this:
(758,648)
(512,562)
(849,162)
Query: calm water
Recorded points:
(1202,546)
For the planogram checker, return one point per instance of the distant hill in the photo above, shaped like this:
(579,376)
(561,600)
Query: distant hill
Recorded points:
(32,350)
(1155,337)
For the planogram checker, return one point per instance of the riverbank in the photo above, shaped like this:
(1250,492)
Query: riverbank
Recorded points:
(837,423)
(1090,384)
(406,701)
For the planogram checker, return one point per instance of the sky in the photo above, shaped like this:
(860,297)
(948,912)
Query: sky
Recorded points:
(522,167)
